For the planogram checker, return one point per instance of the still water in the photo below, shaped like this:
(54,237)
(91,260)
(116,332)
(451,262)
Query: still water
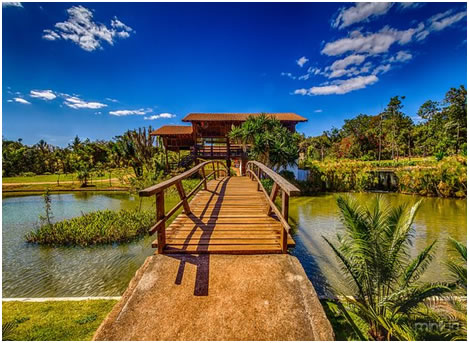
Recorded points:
(33,271)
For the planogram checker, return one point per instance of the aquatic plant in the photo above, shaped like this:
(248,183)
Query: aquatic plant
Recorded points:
(374,255)
(99,227)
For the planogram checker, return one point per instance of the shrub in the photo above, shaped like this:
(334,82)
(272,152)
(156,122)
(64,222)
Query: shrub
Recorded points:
(100,227)
(28,174)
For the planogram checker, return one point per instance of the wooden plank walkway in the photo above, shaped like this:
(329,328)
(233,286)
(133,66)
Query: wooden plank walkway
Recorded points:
(230,217)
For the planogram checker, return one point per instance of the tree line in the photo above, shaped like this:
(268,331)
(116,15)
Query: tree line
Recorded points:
(439,130)
(134,149)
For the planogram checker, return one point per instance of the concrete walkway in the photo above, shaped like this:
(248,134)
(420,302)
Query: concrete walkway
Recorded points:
(218,297)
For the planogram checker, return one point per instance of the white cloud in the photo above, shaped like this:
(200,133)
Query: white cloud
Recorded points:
(318,111)
(50,35)
(290,75)
(340,86)
(314,71)
(382,69)
(42,94)
(401,56)
(338,68)
(371,43)
(301,61)
(77,103)
(121,113)
(362,11)
(410,5)
(22,101)
(161,115)
(12,4)
(304,77)
(81,29)
(9,100)
(112,100)
(441,21)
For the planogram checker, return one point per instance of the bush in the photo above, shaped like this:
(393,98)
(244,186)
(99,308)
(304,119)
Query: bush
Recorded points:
(447,179)
(100,227)
(28,174)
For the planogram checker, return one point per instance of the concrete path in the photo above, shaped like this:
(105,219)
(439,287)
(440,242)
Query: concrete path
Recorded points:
(218,297)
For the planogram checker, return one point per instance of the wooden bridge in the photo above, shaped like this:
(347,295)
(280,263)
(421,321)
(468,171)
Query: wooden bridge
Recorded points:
(223,213)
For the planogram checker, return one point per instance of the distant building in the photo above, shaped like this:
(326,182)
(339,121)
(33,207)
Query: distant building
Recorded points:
(207,137)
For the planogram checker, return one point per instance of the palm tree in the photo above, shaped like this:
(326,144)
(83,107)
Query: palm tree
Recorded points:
(374,255)
(270,142)
(453,309)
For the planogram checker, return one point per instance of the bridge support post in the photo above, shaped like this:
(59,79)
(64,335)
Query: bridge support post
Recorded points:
(161,230)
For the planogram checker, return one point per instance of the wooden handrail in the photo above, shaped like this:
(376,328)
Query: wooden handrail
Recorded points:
(158,191)
(286,186)
(168,183)
(280,184)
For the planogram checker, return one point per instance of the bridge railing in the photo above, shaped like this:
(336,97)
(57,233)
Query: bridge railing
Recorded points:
(218,167)
(257,171)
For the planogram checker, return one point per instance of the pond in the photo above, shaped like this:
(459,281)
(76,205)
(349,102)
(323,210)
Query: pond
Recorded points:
(35,271)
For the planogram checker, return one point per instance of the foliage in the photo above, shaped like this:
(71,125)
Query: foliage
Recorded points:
(270,141)
(47,218)
(447,178)
(99,227)
(440,131)
(374,254)
(54,320)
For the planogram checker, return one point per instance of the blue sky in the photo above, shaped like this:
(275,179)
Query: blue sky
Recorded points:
(98,69)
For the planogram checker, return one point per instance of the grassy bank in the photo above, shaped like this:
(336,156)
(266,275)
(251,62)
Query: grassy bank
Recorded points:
(54,320)
(99,227)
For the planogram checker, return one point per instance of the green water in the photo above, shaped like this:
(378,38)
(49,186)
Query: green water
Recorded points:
(318,216)
(33,271)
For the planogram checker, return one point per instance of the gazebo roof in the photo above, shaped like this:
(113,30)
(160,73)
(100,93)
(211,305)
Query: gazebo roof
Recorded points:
(240,116)
(169,130)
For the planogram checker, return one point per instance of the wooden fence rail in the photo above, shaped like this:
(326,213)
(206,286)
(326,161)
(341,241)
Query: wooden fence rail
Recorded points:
(256,170)
(158,191)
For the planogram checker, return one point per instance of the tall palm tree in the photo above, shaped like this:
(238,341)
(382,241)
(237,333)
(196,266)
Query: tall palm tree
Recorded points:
(374,255)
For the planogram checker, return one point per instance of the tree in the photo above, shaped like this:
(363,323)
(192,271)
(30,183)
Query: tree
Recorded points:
(271,142)
(374,254)
(456,112)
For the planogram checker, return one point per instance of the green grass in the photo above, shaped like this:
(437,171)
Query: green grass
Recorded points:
(99,227)
(54,320)
(63,177)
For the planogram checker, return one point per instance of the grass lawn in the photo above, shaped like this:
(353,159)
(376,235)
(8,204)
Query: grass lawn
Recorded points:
(63,177)
(54,320)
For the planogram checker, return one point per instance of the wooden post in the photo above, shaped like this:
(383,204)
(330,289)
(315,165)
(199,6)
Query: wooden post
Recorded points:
(273,195)
(203,175)
(213,169)
(182,195)
(161,231)
(259,177)
(284,238)
(285,205)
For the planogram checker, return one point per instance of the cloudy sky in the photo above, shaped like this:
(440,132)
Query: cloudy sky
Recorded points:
(98,69)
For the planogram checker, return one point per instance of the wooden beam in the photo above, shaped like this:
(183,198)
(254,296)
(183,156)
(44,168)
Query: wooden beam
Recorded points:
(182,195)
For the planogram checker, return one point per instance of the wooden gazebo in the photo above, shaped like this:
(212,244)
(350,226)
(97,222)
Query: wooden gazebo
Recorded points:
(207,137)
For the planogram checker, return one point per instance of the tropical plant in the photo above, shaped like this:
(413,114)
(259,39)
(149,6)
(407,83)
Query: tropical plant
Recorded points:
(271,142)
(374,255)
(99,227)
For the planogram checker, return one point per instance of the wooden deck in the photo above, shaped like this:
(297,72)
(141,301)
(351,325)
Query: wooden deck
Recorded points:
(231,217)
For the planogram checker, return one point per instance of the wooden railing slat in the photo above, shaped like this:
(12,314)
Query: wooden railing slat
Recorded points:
(283,184)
